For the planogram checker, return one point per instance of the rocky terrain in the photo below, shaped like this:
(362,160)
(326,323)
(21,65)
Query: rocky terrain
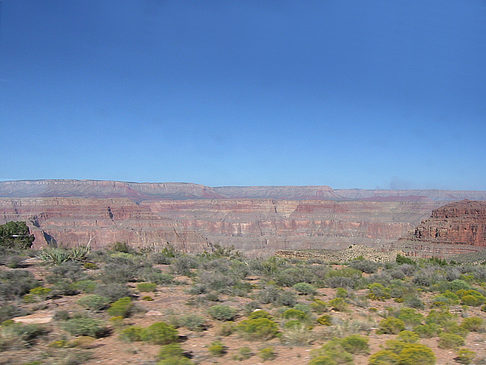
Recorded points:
(193,217)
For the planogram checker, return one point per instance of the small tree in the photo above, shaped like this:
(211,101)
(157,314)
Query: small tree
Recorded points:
(15,235)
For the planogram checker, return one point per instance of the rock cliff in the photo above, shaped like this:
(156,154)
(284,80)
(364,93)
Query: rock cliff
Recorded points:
(193,217)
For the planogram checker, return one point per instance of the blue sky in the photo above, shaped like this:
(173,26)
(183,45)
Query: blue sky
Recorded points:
(346,93)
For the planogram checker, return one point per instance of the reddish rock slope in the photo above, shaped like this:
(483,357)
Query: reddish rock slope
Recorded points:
(462,222)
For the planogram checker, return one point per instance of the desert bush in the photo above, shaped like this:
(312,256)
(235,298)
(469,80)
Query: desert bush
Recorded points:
(325,320)
(113,291)
(452,286)
(267,353)
(378,292)
(216,348)
(154,275)
(473,324)
(18,335)
(146,287)
(465,356)
(85,286)
(159,333)
(15,283)
(438,317)
(331,353)
(276,296)
(338,304)
(471,297)
(120,271)
(183,265)
(401,260)
(294,275)
(68,271)
(293,313)
(296,333)
(193,322)
(257,328)
(409,316)
(172,354)
(343,278)
(319,306)
(122,307)
(131,333)
(94,302)
(304,289)
(414,353)
(391,325)
(226,329)
(222,312)
(427,330)
(450,340)
(8,311)
(355,344)
(408,337)
(244,353)
(384,357)
(84,326)
(365,266)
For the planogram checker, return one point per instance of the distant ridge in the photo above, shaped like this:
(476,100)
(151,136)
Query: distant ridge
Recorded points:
(185,191)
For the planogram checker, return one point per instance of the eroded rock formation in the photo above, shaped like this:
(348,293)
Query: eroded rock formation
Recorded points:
(193,217)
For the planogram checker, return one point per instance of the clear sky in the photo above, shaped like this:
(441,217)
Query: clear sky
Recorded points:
(346,93)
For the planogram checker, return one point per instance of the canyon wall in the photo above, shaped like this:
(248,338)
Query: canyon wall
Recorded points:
(256,220)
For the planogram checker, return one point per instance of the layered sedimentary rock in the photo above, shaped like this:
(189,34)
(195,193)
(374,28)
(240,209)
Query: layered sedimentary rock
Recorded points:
(454,228)
(194,217)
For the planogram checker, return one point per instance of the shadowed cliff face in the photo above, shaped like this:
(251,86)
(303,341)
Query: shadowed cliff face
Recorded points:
(192,217)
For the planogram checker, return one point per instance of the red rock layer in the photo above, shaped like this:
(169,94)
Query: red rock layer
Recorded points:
(251,225)
(462,222)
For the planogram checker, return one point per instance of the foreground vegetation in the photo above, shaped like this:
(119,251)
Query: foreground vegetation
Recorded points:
(159,305)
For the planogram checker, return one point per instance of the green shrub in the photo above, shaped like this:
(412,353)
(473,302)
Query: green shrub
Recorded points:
(222,312)
(338,304)
(408,336)
(18,335)
(244,353)
(94,302)
(331,353)
(132,333)
(304,289)
(122,307)
(294,314)
(378,292)
(146,287)
(226,329)
(16,283)
(193,322)
(15,235)
(450,341)
(472,324)
(384,357)
(410,316)
(319,306)
(471,297)
(159,333)
(258,329)
(355,344)
(267,353)
(400,260)
(465,356)
(391,325)
(217,348)
(114,291)
(90,266)
(414,353)
(170,351)
(86,286)
(84,326)
(427,330)
(365,266)
(342,293)
(325,320)
(438,317)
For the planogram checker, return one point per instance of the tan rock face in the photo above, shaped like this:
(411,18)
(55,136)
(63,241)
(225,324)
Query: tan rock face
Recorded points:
(462,222)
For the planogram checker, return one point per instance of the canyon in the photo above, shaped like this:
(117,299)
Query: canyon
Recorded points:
(193,218)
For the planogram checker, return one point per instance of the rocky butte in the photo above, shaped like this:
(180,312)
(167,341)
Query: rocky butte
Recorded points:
(192,217)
